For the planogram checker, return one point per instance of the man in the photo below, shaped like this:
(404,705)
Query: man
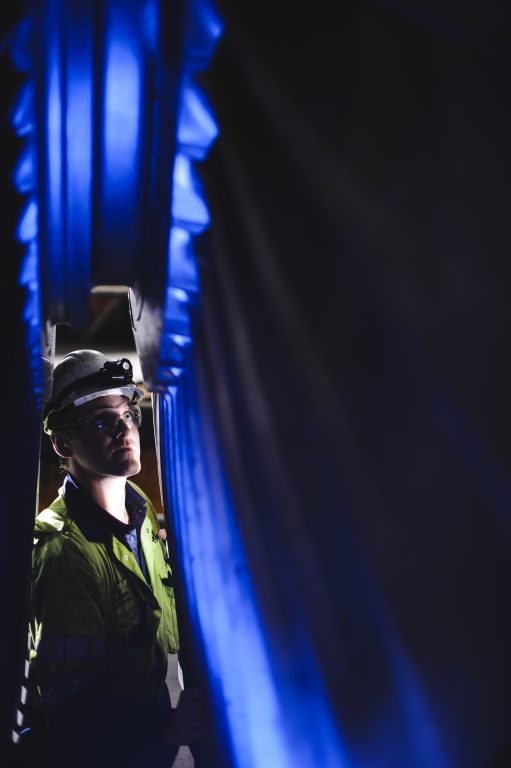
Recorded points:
(102,610)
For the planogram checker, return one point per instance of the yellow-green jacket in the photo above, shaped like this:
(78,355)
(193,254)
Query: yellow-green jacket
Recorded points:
(96,622)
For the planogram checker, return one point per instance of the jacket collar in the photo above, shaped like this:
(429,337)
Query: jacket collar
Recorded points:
(94,521)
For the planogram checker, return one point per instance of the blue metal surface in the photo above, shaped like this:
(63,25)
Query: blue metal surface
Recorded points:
(266,718)
(25,183)
(189,210)
(62,68)
(96,69)
(27,228)
(22,114)
(196,130)
(25,172)
(183,262)
(129,51)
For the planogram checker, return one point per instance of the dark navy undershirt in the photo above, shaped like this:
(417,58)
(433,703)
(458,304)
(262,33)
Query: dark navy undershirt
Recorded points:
(95,522)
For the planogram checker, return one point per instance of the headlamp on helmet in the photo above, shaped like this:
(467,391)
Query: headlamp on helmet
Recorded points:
(83,376)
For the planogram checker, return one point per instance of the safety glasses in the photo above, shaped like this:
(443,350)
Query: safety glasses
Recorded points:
(107,422)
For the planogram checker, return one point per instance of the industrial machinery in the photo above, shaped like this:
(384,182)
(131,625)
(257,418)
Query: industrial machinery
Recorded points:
(311,214)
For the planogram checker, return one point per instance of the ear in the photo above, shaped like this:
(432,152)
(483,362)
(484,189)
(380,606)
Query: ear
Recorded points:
(61,446)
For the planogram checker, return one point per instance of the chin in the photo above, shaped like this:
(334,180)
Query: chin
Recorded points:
(133,468)
(128,467)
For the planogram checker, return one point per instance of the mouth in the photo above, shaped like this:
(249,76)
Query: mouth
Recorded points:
(124,449)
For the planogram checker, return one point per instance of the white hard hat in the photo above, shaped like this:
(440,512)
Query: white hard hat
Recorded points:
(85,375)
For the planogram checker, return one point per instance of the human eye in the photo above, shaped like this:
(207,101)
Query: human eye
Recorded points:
(133,416)
(100,422)
(129,417)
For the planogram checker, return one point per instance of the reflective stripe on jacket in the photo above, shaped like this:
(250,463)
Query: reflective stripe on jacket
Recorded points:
(95,621)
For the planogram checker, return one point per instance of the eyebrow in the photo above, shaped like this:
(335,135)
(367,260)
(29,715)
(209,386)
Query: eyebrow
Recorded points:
(106,408)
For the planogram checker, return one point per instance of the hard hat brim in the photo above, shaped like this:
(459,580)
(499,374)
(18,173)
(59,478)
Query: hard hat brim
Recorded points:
(128,391)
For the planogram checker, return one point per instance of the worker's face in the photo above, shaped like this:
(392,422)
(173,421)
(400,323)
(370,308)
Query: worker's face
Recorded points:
(98,453)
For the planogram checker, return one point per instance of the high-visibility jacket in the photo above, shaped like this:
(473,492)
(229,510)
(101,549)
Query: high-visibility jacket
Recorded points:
(95,619)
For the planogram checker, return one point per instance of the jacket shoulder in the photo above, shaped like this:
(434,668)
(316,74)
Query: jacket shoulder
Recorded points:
(53,518)
(55,533)
(60,544)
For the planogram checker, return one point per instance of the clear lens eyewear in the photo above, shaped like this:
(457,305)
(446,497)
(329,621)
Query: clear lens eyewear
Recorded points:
(107,423)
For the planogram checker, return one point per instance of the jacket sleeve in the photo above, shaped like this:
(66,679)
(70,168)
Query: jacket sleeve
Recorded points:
(67,624)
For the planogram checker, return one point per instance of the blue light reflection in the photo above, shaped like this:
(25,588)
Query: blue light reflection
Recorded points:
(29,279)
(24,172)
(22,115)
(27,226)
(197,128)
(188,207)
(183,270)
(122,110)
(24,181)
(53,148)
(179,294)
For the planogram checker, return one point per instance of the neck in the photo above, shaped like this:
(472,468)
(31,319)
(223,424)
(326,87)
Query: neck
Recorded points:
(108,492)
